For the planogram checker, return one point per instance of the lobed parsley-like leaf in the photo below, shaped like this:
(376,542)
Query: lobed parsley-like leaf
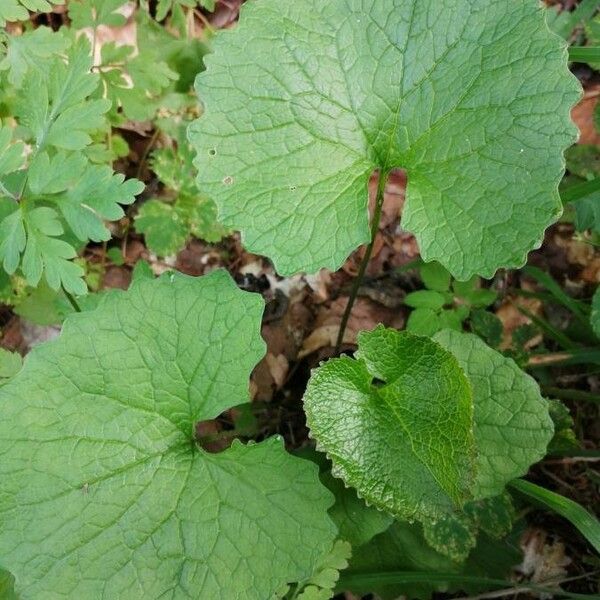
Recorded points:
(420,427)
(17,10)
(105,492)
(304,100)
(31,50)
(92,13)
(58,195)
(164,6)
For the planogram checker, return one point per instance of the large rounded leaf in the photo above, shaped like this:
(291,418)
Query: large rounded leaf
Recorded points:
(104,492)
(305,99)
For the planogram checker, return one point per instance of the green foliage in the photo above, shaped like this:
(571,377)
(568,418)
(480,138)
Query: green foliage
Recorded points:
(455,535)
(167,224)
(447,303)
(17,10)
(411,458)
(403,548)
(113,403)
(347,96)
(321,585)
(420,427)
(164,6)
(10,365)
(595,315)
(92,13)
(59,197)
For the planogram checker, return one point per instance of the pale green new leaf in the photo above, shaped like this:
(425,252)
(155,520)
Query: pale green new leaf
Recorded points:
(105,493)
(16,10)
(406,443)
(31,50)
(512,425)
(304,100)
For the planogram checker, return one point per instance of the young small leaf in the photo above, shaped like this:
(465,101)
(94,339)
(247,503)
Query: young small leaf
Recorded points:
(435,277)
(92,13)
(121,502)
(303,101)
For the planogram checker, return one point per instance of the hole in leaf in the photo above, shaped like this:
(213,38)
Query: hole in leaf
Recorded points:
(378,383)
(212,152)
(216,435)
(228,180)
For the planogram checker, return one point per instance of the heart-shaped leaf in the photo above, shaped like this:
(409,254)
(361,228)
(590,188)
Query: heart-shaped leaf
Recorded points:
(420,426)
(105,493)
(396,423)
(304,100)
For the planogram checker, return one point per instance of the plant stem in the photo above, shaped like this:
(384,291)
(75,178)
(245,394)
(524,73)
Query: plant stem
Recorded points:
(365,260)
(72,300)
(569,394)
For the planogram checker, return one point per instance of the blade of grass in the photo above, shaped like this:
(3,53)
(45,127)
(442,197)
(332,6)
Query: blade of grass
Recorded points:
(561,297)
(366,581)
(584,54)
(588,525)
(554,334)
(580,190)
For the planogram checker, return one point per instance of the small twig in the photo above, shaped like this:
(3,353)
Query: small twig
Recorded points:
(568,394)
(147,150)
(204,20)
(365,260)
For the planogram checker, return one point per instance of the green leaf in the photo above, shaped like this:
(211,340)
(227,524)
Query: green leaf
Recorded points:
(586,522)
(302,106)
(7,587)
(435,277)
(44,306)
(164,230)
(455,535)
(564,438)
(10,364)
(425,299)
(424,321)
(405,421)
(595,316)
(357,523)
(320,586)
(92,13)
(16,10)
(31,50)
(511,423)
(406,445)
(487,326)
(44,253)
(55,105)
(96,196)
(122,502)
